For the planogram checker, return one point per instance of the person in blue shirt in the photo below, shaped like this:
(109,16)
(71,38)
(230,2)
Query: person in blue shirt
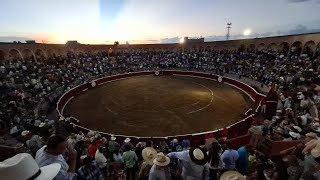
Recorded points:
(243,161)
(229,158)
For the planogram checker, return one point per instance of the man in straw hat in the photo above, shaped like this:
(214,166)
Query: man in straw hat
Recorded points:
(232,175)
(160,169)
(148,155)
(193,163)
(127,142)
(22,166)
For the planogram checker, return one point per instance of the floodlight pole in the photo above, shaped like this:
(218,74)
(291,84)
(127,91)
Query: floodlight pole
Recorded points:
(228,30)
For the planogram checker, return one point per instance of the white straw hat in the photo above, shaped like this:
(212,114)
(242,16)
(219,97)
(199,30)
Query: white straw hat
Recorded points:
(232,175)
(127,140)
(161,160)
(22,166)
(149,154)
(113,138)
(24,133)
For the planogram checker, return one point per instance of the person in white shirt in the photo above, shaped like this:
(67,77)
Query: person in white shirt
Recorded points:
(101,161)
(100,158)
(52,153)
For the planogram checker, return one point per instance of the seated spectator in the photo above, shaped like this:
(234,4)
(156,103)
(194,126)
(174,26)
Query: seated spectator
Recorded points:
(89,170)
(27,168)
(160,169)
(52,153)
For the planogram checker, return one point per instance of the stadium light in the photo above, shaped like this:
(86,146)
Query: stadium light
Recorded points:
(182,40)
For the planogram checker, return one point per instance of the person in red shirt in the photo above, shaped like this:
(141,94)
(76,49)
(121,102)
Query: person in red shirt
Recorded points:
(93,149)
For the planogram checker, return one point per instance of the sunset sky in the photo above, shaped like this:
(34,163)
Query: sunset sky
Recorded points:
(153,21)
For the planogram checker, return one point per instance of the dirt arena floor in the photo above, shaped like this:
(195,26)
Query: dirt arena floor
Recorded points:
(159,106)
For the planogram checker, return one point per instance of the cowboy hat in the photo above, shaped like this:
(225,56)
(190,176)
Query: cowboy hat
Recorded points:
(24,133)
(113,138)
(27,168)
(232,175)
(294,135)
(42,124)
(149,154)
(198,156)
(161,160)
(61,118)
(297,128)
(312,135)
(127,140)
(315,152)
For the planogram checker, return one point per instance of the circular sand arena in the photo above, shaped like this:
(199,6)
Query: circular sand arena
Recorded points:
(159,106)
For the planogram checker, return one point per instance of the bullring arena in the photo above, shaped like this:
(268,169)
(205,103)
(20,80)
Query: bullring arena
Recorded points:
(173,104)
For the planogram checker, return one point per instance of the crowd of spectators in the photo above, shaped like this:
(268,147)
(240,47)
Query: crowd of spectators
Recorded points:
(294,89)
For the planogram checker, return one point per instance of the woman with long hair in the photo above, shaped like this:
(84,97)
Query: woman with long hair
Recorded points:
(214,161)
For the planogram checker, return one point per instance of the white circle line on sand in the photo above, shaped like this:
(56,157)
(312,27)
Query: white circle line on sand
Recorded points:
(206,106)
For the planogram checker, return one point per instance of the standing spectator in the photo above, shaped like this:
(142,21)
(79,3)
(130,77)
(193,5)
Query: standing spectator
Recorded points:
(193,163)
(148,154)
(34,143)
(93,148)
(214,161)
(89,170)
(101,161)
(294,170)
(72,140)
(117,157)
(160,169)
(130,158)
(126,142)
(52,153)
(112,146)
(243,161)
(163,146)
(229,158)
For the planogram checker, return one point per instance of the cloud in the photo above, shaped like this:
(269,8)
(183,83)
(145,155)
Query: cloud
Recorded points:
(302,1)
(298,1)
(13,38)
(170,40)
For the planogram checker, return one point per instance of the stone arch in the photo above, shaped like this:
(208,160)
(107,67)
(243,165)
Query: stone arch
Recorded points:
(272,47)
(28,55)
(284,47)
(15,54)
(40,54)
(2,55)
(251,48)
(242,48)
(51,53)
(296,48)
(309,48)
(261,47)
